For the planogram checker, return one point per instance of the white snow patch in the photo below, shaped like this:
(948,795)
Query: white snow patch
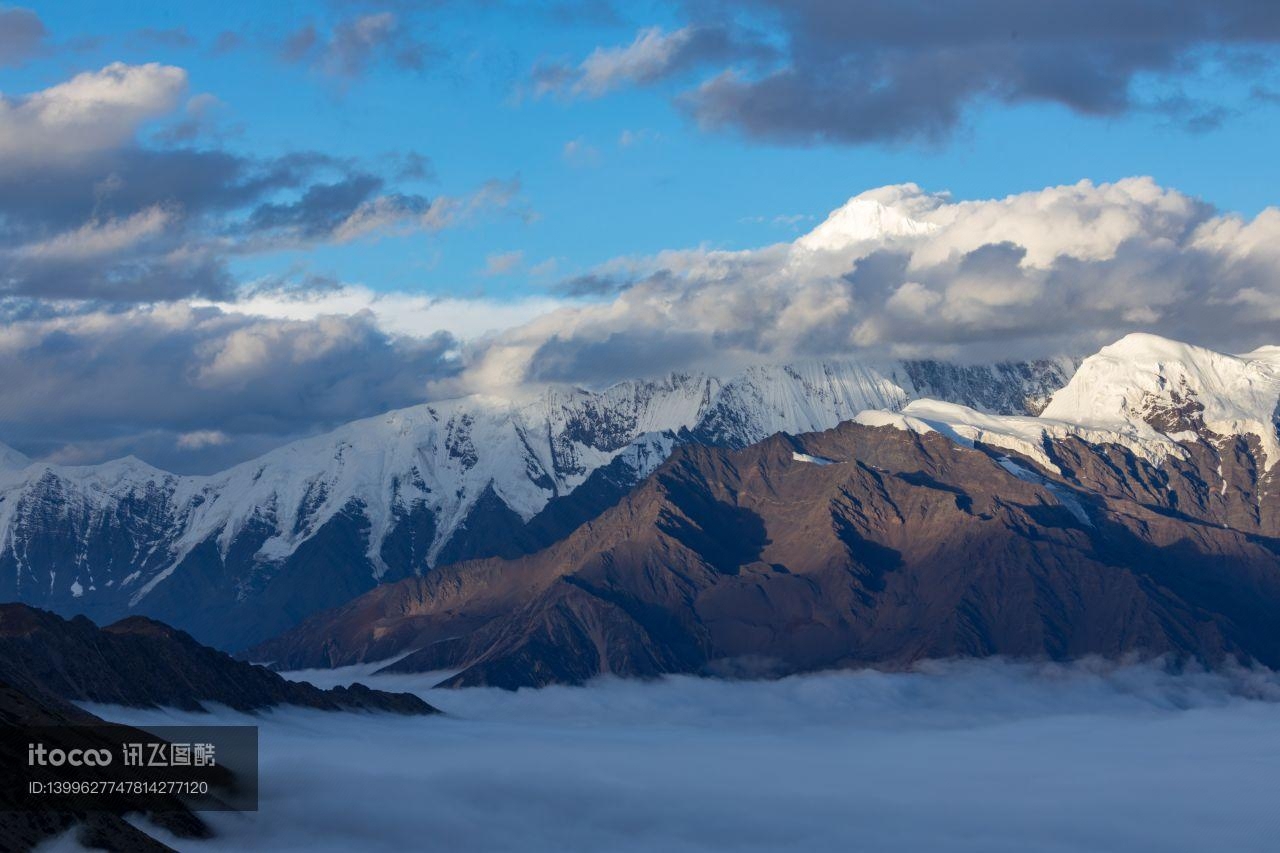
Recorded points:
(812,460)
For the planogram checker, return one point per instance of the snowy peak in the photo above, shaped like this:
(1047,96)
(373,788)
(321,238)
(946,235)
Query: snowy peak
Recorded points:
(862,220)
(394,495)
(1145,385)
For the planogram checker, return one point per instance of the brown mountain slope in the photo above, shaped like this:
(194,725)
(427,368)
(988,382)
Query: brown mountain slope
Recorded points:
(904,547)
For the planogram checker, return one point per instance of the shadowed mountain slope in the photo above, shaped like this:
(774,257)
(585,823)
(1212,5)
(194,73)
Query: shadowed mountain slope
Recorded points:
(862,545)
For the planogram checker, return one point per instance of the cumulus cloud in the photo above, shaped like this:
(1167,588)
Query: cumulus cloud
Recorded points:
(89,210)
(902,272)
(963,756)
(890,71)
(92,112)
(166,381)
(397,313)
(899,271)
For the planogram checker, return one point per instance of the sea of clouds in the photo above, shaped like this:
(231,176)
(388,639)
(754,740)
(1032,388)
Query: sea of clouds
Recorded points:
(960,756)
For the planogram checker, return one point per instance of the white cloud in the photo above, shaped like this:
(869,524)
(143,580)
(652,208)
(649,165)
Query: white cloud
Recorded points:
(91,112)
(964,756)
(898,272)
(191,387)
(647,57)
(101,238)
(904,272)
(399,313)
(202,438)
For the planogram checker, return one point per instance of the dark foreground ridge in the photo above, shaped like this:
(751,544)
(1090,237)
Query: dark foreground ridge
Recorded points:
(142,663)
(98,830)
(854,547)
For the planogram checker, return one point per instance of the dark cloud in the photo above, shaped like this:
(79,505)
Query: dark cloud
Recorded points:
(139,223)
(91,209)
(22,35)
(355,44)
(319,211)
(197,388)
(413,166)
(886,70)
(618,354)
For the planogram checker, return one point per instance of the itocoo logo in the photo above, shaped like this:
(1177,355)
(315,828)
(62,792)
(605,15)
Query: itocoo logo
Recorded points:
(39,755)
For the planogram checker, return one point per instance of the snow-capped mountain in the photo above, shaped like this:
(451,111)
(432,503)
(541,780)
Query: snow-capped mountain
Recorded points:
(862,219)
(315,522)
(1147,386)
(1135,516)
(1155,397)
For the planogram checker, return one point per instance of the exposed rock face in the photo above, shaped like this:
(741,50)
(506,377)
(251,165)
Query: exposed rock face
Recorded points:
(143,663)
(99,830)
(857,546)
(241,555)
(1006,388)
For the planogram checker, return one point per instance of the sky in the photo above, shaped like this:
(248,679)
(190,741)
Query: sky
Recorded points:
(985,755)
(223,226)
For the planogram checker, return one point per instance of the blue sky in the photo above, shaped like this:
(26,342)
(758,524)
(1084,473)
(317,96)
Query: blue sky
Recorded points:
(470,112)
(224,226)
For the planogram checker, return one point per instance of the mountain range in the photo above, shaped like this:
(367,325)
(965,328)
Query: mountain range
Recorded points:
(1135,515)
(239,556)
(784,519)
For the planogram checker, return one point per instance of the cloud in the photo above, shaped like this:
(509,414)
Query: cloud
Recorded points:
(88,210)
(22,36)
(92,112)
(581,153)
(959,756)
(95,239)
(202,438)
(902,272)
(655,54)
(409,314)
(355,44)
(200,119)
(898,272)
(503,263)
(403,214)
(168,381)
(886,71)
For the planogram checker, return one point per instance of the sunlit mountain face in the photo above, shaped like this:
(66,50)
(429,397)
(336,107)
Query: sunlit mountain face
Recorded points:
(780,426)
